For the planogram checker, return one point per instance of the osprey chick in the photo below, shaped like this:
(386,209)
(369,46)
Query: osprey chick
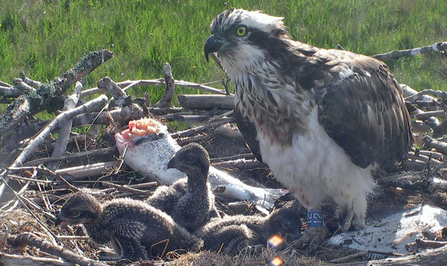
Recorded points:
(189,201)
(135,229)
(322,117)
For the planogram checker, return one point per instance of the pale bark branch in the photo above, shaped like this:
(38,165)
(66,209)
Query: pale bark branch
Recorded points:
(155,82)
(42,98)
(32,146)
(65,126)
(437,47)
(199,101)
(166,100)
(45,246)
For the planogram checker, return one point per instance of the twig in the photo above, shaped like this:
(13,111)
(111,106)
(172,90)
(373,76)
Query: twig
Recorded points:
(88,170)
(122,114)
(21,260)
(68,157)
(433,143)
(87,107)
(240,164)
(434,93)
(126,188)
(420,126)
(437,47)
(65,126)
(33,83)
(421,243)
(154,82)
(201,101)
(426,115)
(199,138)
(195,131)
(32,146)
(234,157)
(10,92)
(349,257)
(109,85)
(31,103)
(425,158)
(166,100)
(45,246)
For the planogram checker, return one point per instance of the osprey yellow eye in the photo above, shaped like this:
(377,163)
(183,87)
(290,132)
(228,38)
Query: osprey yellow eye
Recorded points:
(241,31)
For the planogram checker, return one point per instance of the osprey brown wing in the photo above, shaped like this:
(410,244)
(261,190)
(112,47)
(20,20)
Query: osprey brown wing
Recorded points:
(365,112)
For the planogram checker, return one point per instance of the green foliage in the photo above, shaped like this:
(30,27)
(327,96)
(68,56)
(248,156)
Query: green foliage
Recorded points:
(45,38)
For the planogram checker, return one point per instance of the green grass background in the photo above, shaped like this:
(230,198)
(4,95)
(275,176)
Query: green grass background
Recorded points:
(45,38)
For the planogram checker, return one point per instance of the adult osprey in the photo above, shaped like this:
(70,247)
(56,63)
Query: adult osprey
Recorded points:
(322,117)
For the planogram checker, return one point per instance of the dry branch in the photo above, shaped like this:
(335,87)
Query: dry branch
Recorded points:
(45,246)
(46,96)
(115,116)
(65,126)
(118,94)
(127,188)
(68,157)
(437,47)
(82,171)
(199,101)
(438,145)
(32,146)
(155,82)
(23,260)
(433,257)
(166,100)
(10,92)
(195,131)
(240,164)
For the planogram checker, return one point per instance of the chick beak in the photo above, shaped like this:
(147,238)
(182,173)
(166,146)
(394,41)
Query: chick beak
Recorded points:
(173,162)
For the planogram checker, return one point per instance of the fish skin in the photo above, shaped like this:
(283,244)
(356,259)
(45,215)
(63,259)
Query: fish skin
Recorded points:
(150,155)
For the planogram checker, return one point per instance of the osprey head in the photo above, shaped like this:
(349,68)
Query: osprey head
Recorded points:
(239,34)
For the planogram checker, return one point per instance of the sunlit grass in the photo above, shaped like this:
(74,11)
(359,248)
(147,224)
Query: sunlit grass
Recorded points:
(45,38)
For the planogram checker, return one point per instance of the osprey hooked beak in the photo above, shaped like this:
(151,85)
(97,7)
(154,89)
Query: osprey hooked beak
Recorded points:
(213,44)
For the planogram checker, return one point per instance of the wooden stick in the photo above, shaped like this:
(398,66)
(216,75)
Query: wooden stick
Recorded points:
(195,131)
(101,100)
(426,115)
(46,246)
(126,188)
(155,82)
(434,93)
(82,171)
(437,47)
(166,100)
(65,126)
(122,114)
(31,103)
(26,260)
(206,101)
(433,143)
(241,164)
(68,157)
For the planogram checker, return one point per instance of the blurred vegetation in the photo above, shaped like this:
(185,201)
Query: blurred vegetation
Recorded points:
(45,38)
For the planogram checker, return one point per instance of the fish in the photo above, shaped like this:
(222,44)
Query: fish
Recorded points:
(146,146)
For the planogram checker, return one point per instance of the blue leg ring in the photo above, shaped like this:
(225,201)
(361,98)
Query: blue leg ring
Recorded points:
(315,219)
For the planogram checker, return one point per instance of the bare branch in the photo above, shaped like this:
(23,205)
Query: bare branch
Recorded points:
(65,126)
(155,82)
(20,160)
(41,98)
(45,246)
(166,100)
(437,47)
(202,101)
